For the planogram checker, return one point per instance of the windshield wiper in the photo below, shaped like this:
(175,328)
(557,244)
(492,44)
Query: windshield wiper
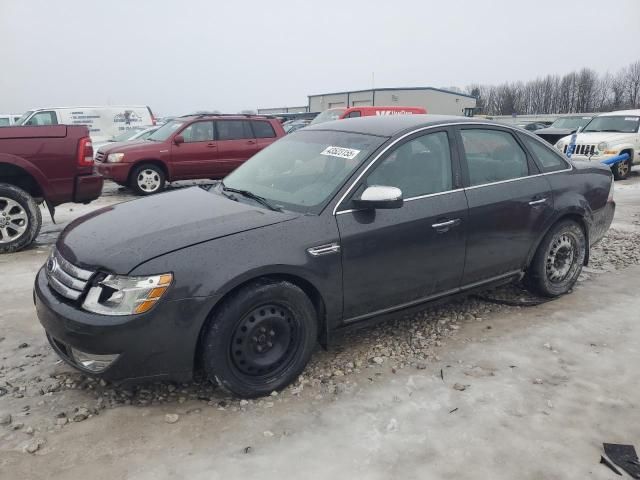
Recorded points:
(246,193)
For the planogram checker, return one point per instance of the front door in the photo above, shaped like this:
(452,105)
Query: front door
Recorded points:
(509,203)
(236,144)
(398,257)
(194,157)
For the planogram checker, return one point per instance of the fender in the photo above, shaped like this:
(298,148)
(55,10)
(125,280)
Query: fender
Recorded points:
(28,167)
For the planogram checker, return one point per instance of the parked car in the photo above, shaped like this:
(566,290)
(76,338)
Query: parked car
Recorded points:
(103,122)
(562,127)
(8,119)
(135,133)
(608,135)
(355,112)
(532,126)
(333,225)
(293,125)
(194,146)
(51,164)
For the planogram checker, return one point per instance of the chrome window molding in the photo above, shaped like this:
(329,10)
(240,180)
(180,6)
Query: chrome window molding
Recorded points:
(431,127)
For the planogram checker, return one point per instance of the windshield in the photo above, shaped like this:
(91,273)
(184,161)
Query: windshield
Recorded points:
(124,136)
(24,117)
(165,131)
(328,115)
(303,171)
(572,123)
(622,124)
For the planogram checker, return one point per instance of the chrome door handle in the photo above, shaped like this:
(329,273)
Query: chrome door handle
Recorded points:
(444,226)
(537,202)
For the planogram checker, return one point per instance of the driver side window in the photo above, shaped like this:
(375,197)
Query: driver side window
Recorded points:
(198,132)
(421,166)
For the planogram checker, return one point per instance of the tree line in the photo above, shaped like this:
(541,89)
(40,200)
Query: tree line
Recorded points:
(576,92)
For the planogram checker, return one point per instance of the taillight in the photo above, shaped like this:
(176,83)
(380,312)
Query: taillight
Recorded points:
(85,152)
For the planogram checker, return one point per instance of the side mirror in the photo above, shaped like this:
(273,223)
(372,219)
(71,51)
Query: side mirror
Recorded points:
(178,139)
(379,197)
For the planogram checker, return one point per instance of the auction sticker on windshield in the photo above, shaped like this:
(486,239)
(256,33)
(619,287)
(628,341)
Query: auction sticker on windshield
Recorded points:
(348,153)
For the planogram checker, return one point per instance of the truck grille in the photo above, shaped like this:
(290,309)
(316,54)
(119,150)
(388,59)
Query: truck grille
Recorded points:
(100,156)
(581,149)
(65,278)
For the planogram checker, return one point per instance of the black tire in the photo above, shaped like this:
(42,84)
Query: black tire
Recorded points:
(147,179)
(260,339)
(20,219)
(621,170)
(557,263)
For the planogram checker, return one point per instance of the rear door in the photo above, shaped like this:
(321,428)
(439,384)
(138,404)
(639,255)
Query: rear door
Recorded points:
(393,258)
(263,132)
(197,156)
(236,144)
(509,202)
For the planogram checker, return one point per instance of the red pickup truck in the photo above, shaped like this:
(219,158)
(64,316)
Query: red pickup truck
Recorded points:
(50,164)
(188,147)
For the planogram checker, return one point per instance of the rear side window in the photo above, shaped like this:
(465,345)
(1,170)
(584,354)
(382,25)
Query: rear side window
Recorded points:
(354,114)
(43,118)
(547,158)
(493,156)
(233,129)
(198,132)
(263,129)
(4,122)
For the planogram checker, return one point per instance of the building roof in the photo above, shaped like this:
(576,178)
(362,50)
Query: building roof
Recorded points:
(391,89)
(390,125)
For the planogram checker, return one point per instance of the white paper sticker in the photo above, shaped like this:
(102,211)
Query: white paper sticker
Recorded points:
(630,119)
(348,153)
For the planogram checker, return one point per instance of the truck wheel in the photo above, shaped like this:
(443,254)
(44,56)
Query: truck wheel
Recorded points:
(557,264)
(20,218)
(260,339)
(621,170)
(147,179)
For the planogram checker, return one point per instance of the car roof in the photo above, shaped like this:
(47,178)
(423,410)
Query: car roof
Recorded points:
(226,116)
(621,112)
(390,125)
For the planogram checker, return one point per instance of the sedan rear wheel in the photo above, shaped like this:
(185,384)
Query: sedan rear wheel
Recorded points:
(557,264)
(260,338)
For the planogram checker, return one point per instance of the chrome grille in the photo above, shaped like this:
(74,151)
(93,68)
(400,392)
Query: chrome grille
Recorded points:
(582,149)
(100,156)
(64,277)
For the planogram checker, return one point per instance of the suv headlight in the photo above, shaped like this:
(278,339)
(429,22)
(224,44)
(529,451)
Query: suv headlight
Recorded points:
(122,295)
(115,157)
(602,146)
(559,145)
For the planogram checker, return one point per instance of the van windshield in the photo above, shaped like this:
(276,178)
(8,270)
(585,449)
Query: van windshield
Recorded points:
(24,117)
(165,131)
(328,115)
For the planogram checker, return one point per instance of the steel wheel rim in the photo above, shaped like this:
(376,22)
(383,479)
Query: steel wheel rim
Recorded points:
(148,180)
(265,341)
(623,169)
(561,258)
(14,220)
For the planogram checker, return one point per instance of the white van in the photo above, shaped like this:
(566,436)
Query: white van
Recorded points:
(8,119)
(104,122)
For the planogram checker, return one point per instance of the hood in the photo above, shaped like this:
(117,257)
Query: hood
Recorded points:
(609,137)
(120,237)
(555,131)
(105,146)
(132,146)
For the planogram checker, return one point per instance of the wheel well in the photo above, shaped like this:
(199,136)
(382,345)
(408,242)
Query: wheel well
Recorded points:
(308,288)
(152,161)
(19,177)
(630,152)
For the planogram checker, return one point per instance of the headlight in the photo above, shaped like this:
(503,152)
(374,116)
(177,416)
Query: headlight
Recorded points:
(115,157)
(559,145)
(602,146)
(120,295)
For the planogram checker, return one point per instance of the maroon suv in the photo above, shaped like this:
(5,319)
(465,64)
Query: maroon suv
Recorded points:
(189,147)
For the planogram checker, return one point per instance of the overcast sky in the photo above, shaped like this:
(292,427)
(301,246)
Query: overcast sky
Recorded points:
(182,56)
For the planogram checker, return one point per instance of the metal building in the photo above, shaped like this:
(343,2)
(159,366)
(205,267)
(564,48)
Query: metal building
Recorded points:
(435,100)
(276,110)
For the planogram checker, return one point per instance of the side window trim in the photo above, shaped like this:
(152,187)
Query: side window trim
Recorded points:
(532,166)
(456,180)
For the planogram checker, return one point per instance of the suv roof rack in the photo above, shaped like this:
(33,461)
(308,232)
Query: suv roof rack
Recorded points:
(246,115)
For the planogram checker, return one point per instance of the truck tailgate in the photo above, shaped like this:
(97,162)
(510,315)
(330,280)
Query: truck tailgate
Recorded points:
(45,131)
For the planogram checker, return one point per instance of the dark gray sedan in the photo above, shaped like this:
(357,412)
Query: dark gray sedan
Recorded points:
(339,223)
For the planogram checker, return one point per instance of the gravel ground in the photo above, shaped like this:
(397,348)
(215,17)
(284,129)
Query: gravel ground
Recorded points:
(44,394)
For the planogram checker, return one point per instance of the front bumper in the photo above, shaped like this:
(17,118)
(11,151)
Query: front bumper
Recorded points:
(118,172)
(158,345)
